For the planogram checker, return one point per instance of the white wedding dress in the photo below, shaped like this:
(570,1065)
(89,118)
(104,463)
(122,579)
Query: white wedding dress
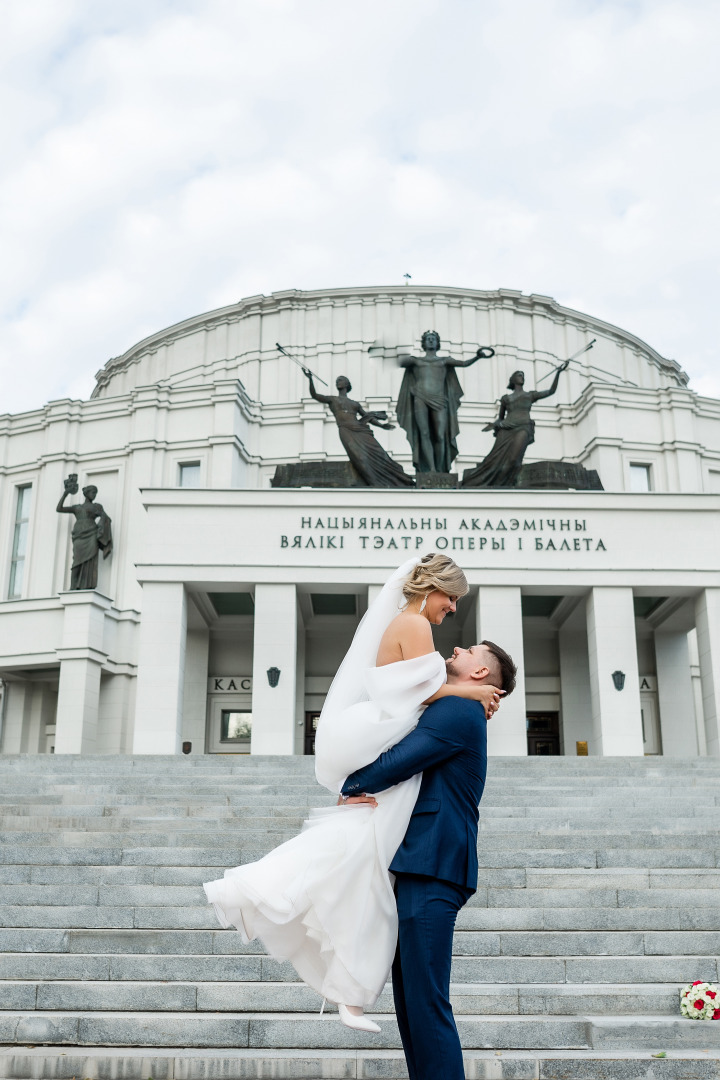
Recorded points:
(324,900)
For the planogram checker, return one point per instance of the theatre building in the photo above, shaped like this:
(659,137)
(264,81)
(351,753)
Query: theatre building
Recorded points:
(228,601)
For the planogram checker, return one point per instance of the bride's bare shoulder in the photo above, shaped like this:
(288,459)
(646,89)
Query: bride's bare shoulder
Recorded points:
(408,635)
(410,619)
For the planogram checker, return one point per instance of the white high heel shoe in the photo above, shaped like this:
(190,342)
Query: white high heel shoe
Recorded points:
(359,1023)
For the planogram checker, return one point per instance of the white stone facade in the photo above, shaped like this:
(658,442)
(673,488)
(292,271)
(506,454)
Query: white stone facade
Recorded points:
(212,585)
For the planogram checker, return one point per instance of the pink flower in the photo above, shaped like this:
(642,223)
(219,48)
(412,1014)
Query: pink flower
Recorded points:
(698,982)
(716,1015)
(711,994)
(699,1004)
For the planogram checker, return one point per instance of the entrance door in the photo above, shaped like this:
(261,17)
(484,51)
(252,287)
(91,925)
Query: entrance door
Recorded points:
(311,722)
(543,733)
(650,722)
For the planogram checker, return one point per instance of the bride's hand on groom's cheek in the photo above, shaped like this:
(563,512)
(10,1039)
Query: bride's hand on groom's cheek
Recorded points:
(357,800)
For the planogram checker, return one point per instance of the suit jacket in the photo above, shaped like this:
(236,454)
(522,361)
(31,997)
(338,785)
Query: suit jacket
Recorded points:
(449,747)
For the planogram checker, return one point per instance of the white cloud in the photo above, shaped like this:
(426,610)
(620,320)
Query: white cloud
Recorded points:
(167,157)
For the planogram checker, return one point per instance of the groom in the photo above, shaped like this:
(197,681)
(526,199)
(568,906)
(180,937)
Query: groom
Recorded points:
(436,866)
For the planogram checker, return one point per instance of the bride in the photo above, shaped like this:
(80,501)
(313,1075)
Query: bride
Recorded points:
(324,900)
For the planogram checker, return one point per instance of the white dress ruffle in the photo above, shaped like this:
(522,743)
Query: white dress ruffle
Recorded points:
(324,900)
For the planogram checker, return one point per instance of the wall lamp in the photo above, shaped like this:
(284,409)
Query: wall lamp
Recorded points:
(273,674)
(618,678)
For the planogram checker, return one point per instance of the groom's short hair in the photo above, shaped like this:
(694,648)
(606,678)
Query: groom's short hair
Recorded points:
(507,669)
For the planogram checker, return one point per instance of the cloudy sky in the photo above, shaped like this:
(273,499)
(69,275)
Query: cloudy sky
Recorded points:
(164,157)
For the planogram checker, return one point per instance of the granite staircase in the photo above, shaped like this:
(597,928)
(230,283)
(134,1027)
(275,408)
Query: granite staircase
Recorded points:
(598,898)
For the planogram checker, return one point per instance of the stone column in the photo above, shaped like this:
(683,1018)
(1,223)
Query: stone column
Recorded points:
(616,718)
(195,693)
(675,694)
(117,697)
(499,619)
(13,718)
(161,655)
(299,747)
(81,658)
(707,622)
(697,692)
(274,645)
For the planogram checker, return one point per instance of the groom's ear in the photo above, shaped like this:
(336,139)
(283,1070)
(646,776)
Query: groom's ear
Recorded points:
(480,673)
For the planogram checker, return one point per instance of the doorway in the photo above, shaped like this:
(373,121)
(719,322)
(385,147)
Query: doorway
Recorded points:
(230,723)
(311,723)
(652,743)
(543,734)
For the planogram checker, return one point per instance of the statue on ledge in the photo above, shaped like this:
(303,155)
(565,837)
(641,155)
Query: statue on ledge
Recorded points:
(374,465)
(428,404)
(91,533)
(514,431)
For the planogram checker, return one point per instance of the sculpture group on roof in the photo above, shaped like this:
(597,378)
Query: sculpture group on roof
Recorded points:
(427,409)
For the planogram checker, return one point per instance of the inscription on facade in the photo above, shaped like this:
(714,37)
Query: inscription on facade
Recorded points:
(230,684)
(456,534)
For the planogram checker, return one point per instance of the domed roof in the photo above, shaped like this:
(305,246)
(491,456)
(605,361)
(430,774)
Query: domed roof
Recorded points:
(521,328)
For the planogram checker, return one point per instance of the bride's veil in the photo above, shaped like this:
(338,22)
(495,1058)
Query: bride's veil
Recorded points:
(336,743)
(348,686)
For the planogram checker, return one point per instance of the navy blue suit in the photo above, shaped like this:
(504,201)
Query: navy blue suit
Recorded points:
(436,872)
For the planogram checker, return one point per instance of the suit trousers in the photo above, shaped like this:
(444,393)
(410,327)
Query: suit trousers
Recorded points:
(427,910)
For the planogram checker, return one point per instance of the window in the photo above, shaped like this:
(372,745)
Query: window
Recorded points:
(640,478)
(235,726)
(17,561)
(190,474)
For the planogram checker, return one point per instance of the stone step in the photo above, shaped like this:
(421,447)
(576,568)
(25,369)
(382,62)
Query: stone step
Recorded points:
(108,1063)
(257,823)
(561,880)
(231,781)
(211,762)
(233,791)
(475,926)
(507,856)
(266,760)
(583,918)
(593,895)
(500,918)
(183,957)
(103,832)
(582,808)
(497,887)
(15,795)
(230,791)
(104,813)
(256,996)
(42,853)
(256,827)
(268,1030)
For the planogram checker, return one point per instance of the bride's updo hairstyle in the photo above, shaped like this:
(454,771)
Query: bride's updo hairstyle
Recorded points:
(435,572)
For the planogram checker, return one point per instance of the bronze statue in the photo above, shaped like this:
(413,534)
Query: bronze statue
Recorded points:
(428,404)
(375,467)
(91,532)
(514,431)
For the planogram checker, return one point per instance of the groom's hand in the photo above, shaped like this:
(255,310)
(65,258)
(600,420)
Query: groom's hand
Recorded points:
(361,800)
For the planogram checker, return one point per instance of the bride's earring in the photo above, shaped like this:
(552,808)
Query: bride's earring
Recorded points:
(422,606)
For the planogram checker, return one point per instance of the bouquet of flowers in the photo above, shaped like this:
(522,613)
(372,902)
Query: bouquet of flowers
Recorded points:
(700,1001)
